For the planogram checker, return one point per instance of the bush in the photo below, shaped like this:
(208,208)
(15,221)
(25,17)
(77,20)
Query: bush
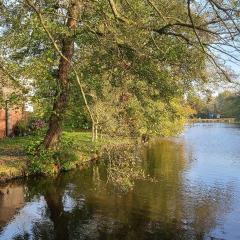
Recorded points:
(50,162)
(21,129)
(124,167)
(37,125)
(42,161)
(66,154)
(34,126)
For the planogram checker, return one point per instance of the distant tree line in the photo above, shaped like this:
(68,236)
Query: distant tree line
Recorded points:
(224,105)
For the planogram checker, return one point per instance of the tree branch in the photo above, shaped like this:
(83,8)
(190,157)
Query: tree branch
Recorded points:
(61,54)
(116,13)
(202,46)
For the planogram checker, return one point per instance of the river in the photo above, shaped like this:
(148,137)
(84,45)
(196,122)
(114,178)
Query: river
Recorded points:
(191,190)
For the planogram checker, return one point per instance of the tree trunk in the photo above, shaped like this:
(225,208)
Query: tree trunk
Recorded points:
(53,195)
(93,132)
(60,104)
(96,132)
(8,119)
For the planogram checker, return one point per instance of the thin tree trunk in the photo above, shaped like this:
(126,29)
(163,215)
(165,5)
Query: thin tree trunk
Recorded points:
(60,104)
(8,118)
(96,132)
(93,131)
(100,131)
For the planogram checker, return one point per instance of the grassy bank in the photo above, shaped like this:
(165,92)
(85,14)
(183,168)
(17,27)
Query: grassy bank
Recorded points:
(14,161)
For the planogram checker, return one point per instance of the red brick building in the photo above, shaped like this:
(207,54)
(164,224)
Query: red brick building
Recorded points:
(10,114)
(8,119)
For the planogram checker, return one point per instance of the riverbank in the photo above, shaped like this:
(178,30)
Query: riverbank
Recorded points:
(14,161)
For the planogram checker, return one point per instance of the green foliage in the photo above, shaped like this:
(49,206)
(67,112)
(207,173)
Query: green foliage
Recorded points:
(228,104)
(42,161)
(18,154)
(123,167)
(21,128)
(66,154)
(125,113)
(52,161)
(29,127)
(153,71)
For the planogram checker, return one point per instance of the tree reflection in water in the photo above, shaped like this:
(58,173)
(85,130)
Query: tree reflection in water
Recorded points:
(82,205)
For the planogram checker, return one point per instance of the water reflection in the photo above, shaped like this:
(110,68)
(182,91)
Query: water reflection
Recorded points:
(11,199)
(178,200)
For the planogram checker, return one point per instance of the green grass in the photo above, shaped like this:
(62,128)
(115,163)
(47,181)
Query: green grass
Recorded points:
(84,141)
(13,158)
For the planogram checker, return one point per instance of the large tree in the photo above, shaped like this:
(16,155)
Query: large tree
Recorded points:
(155,50)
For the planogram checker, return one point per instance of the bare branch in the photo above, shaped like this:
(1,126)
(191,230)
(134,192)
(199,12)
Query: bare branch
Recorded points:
(116,13)
(212,59)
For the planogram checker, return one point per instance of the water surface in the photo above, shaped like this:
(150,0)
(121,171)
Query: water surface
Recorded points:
(191,191)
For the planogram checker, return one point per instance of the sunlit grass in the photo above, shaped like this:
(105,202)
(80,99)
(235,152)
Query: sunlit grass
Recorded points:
(13,157)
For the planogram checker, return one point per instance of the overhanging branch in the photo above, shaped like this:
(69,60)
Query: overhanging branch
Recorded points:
(29,3)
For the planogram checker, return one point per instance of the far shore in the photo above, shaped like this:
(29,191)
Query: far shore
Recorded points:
(214,120)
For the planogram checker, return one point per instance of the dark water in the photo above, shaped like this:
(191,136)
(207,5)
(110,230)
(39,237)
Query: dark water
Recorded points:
(191,191)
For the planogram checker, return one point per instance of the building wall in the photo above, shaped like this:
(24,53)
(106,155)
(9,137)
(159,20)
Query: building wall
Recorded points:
(2,123)
(16,114)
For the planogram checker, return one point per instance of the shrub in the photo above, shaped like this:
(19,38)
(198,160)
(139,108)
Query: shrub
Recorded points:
(124,167)
(34,126)
(42,161)
(21,129)
(66,154)
(50,162)
(37,125)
